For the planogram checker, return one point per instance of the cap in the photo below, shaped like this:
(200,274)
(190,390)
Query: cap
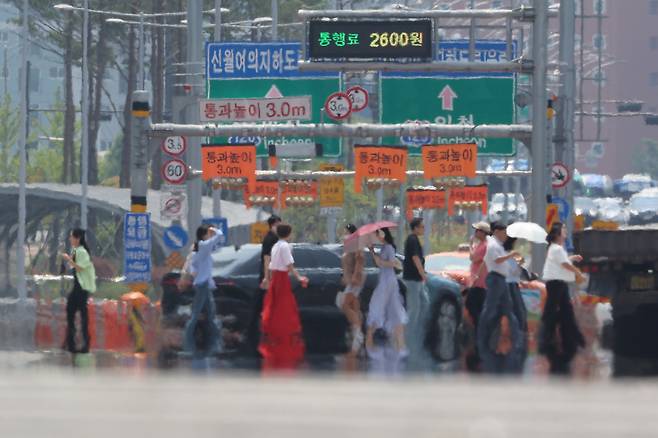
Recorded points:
(482,226)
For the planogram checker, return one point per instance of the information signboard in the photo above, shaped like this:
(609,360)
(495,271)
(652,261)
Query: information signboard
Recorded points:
(452,98)
(240,70)
(137,247)
(386,39)
(256,110)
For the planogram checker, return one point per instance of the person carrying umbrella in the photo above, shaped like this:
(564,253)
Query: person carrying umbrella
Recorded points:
(386,308)
(353,279)
(498,330)
(560,336)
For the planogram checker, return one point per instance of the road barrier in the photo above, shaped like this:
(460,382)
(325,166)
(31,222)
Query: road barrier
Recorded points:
(113,325)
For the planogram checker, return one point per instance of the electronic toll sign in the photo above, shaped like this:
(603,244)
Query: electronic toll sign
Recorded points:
(393,40)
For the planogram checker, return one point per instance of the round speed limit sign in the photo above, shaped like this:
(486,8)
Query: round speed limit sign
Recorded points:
(359,98)
(175,145)
(338,106)
(174,171)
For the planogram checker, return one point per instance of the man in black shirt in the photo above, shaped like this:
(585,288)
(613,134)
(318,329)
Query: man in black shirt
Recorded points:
(414,278)
(253,334)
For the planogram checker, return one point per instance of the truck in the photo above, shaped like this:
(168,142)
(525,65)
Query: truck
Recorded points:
(622,265)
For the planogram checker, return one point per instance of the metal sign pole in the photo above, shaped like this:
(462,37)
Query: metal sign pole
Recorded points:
(22,139)
(217,192)
(539,126)
(193,154)
(567,103)
(380,203)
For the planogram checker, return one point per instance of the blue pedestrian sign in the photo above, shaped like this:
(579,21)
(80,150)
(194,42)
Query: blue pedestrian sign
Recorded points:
(221,223)
(137,247)
(175,237)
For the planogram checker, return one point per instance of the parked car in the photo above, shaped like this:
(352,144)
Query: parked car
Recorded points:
(455,265)
(236,274)
(612,210)
(631,184)
(516,207)
(643,207)
(587,208)
(597,185)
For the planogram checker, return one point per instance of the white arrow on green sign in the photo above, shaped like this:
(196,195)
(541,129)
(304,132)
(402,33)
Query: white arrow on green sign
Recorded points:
(452,99)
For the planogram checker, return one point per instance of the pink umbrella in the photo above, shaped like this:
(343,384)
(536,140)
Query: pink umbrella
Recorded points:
(365,236)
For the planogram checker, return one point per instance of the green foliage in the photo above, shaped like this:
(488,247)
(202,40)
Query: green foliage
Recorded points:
(9,127)
(447,235)
(645,158)
(110,164)
(45,165)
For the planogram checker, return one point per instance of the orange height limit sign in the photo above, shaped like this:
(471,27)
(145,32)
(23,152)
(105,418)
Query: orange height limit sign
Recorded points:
(229,161)
(388,162)
(447,160)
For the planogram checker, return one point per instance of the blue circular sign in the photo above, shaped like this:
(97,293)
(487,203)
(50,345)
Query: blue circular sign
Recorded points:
(175,237)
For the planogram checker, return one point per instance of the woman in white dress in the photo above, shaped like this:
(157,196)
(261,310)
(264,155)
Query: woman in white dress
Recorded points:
(386,308)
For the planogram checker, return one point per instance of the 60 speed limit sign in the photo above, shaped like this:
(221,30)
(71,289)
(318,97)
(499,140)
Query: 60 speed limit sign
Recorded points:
(174,145)
(338,106)
(174,171)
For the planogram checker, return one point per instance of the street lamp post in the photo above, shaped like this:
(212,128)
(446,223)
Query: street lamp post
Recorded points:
(85,117)
(21,285)
(84,155)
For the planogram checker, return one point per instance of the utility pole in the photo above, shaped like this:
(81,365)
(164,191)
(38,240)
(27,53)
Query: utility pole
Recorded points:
(194,70)
(22,173)
(141,112)
(142,52)
(565,148)
(599,71)
(217,190)
(84,156)
(275,20)
(539,125)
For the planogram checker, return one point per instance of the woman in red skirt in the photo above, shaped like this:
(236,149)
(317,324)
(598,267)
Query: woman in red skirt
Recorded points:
(282,345)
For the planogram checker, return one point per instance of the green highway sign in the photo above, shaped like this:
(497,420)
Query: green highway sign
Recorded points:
(268,74)
(453,98)
(468,101)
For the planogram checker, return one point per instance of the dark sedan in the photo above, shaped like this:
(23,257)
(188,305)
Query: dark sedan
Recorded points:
(236,275)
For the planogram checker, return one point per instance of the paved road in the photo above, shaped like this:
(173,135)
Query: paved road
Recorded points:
(87,403)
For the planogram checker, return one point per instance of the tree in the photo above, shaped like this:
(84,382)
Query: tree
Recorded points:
(110,165)
(645,158)
(9,127)
(46,165)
